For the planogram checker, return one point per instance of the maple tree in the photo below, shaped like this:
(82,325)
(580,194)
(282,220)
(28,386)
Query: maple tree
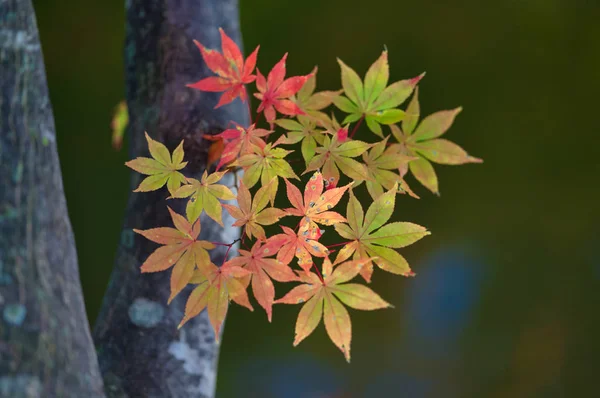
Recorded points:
(330,154)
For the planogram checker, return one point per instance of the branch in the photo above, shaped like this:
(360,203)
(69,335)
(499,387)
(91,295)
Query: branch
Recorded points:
(45,345)
(140,350)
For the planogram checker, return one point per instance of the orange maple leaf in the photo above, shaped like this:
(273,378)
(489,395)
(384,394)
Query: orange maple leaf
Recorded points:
(303,245)
(263,269)
(216,286)
(323,299)
(181,248)
(316,205)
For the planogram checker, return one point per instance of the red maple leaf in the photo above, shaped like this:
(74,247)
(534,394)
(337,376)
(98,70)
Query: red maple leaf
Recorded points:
(232,72)
(275,92)
(238,142)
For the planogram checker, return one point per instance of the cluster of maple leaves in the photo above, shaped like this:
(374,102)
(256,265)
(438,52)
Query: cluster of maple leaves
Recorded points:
(329,152)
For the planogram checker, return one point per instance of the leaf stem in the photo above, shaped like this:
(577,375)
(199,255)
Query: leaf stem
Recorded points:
(243,236)
(229,246)
(337,244)
(226,244)
(318,273)
(221,244)
(256,118)
(248,104)
(356,126)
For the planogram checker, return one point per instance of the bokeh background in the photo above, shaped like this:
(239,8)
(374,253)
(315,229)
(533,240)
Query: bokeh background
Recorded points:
(505,302)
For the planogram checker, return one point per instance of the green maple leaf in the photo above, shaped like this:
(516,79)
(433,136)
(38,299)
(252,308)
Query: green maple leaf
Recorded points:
(305,130)
(380,162)
(205,195)
(334,156)
(423,142)
(267,164)
(372,99)
(323,299)
(251,213)
(312,103)
(371,239)
(162,168)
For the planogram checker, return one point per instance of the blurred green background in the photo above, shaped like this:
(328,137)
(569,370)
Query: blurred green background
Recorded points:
(505,300)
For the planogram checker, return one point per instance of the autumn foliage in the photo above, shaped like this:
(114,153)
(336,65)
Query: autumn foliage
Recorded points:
(330,165)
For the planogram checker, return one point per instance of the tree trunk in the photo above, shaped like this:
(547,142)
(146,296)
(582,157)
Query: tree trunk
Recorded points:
(140,350)
(45,345)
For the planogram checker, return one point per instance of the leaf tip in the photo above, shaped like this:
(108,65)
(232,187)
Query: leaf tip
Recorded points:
(409,274)
(346,352)
(473,159)
(417,79)
(297,341)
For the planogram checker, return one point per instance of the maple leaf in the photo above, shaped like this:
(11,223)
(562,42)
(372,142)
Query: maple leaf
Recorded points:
(232,72)
(119,124)
(380,161)
(239,142)
(371,239)
(250,213)
(372,99)
(181,248)
(275,92)
(215,150)
(267,164)
(424,143)
(205,195)
(162,168)
(315,206)
(312,103)
(263,269)
(332,125)
(305,130)
(334,156)
(216,286)
(323,299)
(303,245)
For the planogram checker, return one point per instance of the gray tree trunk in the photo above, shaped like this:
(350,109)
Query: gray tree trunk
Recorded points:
(45,345)
(140,350)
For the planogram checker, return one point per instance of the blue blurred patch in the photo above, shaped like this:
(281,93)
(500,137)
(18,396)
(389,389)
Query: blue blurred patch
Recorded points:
(394,384)
(441,300)
(302,376)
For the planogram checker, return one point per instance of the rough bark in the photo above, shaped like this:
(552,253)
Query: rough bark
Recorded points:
(140,350)
(45,345)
